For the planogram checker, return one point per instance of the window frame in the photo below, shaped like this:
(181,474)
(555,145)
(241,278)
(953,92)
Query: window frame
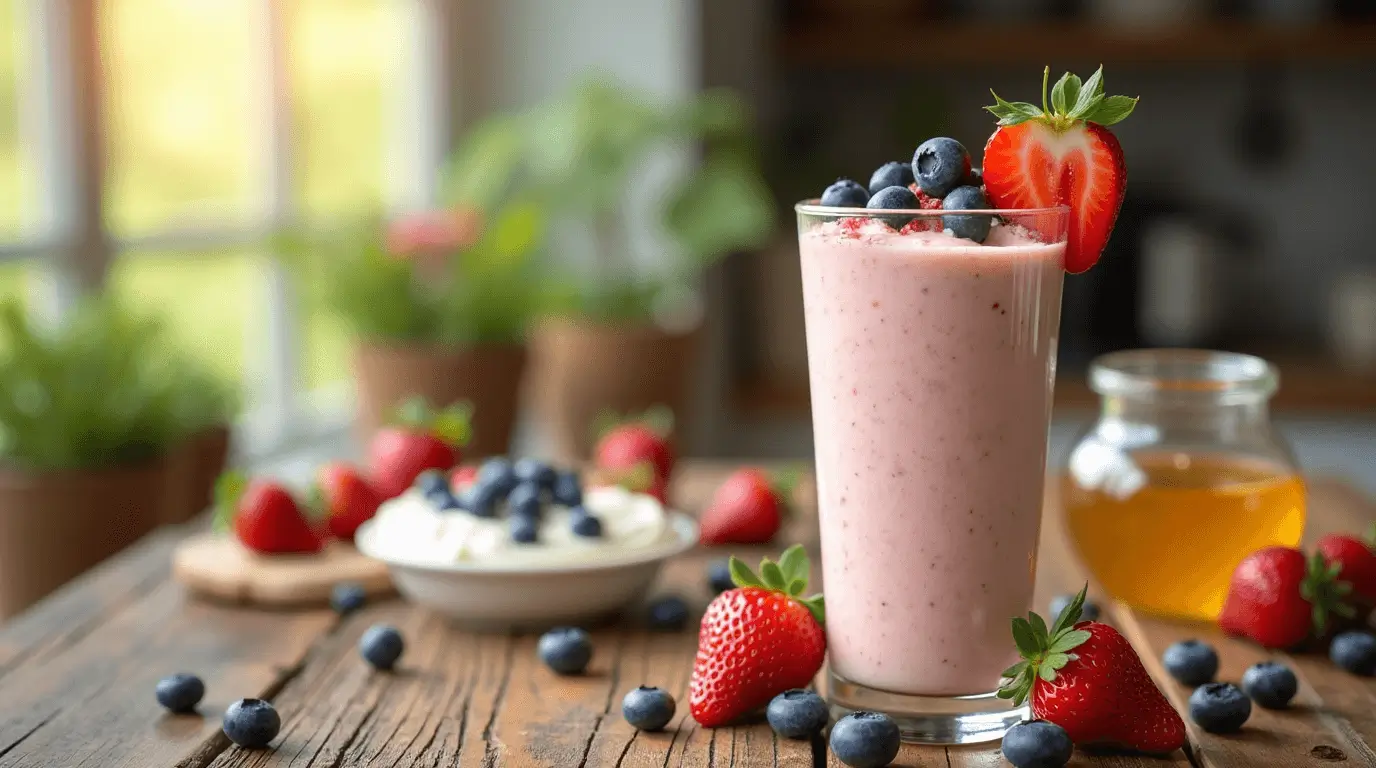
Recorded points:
(61,134)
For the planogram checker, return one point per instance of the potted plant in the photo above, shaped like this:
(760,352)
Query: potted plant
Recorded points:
(204,407)
(86,420)
(624,332)
(438,303)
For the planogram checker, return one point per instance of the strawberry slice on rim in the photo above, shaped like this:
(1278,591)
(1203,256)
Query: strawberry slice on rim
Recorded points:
(1062,154)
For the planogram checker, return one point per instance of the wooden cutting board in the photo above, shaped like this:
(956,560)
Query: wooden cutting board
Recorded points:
(221,568)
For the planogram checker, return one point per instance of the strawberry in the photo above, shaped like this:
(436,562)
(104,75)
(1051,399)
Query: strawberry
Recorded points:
(462,477)
(639,478)
(757,640)
(1100,694)
(1276,597)
(1062,155)
(264,516)
(419,440)
(344,498)
(623,445)
(1357,563)
(746,509)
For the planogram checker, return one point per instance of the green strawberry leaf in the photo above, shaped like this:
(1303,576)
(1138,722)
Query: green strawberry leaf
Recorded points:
(741,575)
(229,486)
(1092,88)
(1013,671)
(1070,615)
(817,606)
(1046,673)
(795,565)
(1069,88)
(1012,113)
(414,412)
(1112,110)
(1025,638)
(1038,629)
(1057,660)
(1067,640)
(771,574)
(454,425)
(660,420)
(797,587)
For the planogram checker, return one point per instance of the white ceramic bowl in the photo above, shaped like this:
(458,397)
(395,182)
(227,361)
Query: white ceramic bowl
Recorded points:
(493,597)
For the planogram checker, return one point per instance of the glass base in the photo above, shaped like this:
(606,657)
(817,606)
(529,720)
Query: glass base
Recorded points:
(929,719)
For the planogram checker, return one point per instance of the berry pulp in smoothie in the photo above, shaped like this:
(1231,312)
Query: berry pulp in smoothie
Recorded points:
(932,361)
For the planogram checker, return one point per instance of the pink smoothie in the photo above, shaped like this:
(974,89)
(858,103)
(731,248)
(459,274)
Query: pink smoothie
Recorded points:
(932,360)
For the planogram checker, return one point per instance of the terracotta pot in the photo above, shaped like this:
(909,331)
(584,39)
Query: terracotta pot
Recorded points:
(55,525)
(579,369)
(193,468)
(489,376)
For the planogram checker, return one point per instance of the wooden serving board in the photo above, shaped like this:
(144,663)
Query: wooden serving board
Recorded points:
(221,568)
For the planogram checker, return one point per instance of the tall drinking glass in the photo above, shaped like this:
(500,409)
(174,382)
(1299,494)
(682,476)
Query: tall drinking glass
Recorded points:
(932,361)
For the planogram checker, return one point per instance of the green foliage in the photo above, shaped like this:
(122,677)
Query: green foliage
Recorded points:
(106,388)
(574,159)
(487,292)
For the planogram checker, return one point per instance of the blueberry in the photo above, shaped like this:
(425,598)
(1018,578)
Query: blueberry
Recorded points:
(524,500)
(585,524)
(969,226)
(648,709)
(481,498)
(1220,707)
(252,723)
(1088,612)
(347,597)
(432,480)
(1037,744)
(1270,685)
(534,471)
(1354,651)
(846,194)
(1191,662)
(719,576)
(381,646)
(865,740)
(566,650)
(894,198)
(668,614)
(525,529)
(894,174)
(499,473)
(567,489)
(797,714)
(443,500)
(180,693)
(940,165)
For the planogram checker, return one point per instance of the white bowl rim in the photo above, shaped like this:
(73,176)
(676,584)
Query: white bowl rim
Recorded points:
(685,538)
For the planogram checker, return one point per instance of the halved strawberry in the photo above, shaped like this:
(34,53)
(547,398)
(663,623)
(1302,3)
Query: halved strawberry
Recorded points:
(1062,154)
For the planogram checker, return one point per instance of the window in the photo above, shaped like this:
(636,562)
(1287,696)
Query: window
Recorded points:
(222,120)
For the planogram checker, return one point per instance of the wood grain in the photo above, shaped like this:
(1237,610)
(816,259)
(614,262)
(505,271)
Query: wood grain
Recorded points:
(219,567)
(77,673)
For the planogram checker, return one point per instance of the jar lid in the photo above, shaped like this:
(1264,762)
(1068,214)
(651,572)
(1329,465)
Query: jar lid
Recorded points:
(1206,374)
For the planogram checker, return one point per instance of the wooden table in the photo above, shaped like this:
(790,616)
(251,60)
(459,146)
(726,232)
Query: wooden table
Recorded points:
(77,675)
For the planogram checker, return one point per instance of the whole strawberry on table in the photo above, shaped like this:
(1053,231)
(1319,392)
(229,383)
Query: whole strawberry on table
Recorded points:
(748,508)
(419,438)
(635,452)
(265,517)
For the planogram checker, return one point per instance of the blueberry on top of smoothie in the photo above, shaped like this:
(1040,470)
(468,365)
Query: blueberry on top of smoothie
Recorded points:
(894,174)
(845,194)
(969,226)
(894,198)
(940,165)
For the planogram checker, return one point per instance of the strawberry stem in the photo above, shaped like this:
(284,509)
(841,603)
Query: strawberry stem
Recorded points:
(229,487)
(789,575)
(1043,651)
(1325,592)
(1046,76)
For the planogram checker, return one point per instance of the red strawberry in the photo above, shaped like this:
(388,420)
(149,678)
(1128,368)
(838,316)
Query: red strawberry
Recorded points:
(420,440)
(1100,694)
(264,516)
(639,478)
(1062,155)
(925,201)
(462,477)
(746,509)
(1357,561)
(345,498)
(757,640)
(626,444)
(1276,597)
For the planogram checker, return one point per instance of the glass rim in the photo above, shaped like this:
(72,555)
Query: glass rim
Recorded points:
(813,206)
(1205,373)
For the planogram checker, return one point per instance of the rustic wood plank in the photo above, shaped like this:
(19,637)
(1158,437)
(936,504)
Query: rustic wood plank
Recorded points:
(91,702)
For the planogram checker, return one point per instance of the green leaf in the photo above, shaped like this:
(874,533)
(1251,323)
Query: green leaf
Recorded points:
(1038,629)
(795,565)
(772,575)
(741,574)
(454,424)
(1069,86)
(1112,110)
(1025,638)
(1371,535)
(1046,673)
(1056,660)
(1058,102)
(1071,613)
(1071,639)
(1019,687)
(1012,113)
(1093,88)
(414,412)
(723,207)
(817,606)
(1013,671)
(797,587)
(660,419)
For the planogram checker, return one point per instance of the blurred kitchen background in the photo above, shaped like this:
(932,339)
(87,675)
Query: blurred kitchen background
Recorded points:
(155,151)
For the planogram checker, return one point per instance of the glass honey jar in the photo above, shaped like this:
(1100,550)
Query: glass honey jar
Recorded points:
(1181,477)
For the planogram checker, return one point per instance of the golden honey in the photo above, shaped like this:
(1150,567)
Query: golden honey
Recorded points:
(1167,537)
